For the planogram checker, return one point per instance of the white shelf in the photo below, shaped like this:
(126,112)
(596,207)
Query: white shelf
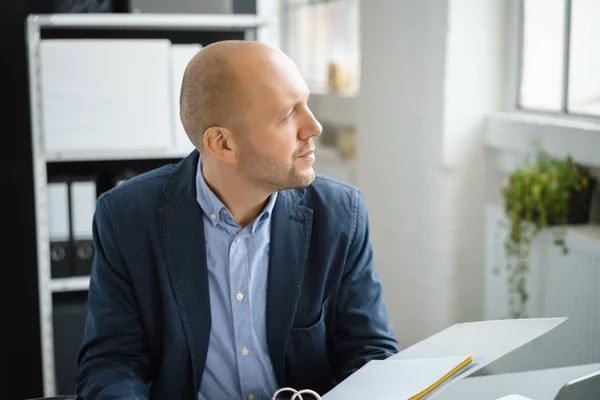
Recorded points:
(74,284)
(218,22)
(116,155)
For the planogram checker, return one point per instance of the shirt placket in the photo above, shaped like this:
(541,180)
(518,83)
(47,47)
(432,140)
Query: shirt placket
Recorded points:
(241,312)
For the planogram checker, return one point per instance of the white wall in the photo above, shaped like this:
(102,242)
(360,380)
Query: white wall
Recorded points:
(400,125)
(419,113)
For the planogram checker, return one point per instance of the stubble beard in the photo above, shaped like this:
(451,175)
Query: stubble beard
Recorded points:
(273,175)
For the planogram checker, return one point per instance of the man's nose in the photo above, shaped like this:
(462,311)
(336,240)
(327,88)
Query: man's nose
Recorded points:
(312,127)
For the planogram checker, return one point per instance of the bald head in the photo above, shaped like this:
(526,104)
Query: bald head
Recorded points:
(212,92)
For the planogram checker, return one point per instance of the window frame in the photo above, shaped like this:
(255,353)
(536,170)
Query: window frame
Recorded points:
(511,131)
(517,65)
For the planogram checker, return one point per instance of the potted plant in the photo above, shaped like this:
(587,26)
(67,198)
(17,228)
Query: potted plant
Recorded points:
(544,192)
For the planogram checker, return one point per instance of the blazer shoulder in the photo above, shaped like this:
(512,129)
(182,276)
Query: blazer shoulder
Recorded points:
(140,186)
(331,193)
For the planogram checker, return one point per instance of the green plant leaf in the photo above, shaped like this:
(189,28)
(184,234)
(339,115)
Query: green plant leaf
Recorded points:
(536,195)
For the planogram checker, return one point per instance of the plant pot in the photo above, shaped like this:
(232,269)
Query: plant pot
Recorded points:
(580,207)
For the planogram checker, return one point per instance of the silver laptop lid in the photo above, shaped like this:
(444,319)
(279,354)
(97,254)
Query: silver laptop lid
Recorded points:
(585,388)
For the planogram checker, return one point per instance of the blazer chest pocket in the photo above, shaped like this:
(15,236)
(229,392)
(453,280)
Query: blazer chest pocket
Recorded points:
(317,330)
(308,353)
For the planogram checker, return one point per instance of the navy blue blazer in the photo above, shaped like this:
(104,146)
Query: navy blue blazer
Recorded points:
(148,324)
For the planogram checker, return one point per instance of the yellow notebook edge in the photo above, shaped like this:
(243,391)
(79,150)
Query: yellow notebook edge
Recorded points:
(444,378)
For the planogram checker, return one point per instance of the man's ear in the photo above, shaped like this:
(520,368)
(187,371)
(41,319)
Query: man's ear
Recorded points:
(219,141)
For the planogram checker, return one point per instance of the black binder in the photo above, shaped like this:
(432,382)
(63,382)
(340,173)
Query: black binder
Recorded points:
(71,206)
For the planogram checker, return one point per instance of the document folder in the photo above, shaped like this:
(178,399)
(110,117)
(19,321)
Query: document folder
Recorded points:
(83,195)
(59,229)
(436,360)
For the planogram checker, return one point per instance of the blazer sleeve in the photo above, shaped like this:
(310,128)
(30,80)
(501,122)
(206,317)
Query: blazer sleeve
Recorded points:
(363,331)
(114,358)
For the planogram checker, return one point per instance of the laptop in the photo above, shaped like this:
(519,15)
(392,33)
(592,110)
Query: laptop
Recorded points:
(583,388)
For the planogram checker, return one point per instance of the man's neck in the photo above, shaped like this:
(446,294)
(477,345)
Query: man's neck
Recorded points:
(243,200)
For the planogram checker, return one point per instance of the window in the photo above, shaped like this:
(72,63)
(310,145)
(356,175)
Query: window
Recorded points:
(560,56)
(323,39)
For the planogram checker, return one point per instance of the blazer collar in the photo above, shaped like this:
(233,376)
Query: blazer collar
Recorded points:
(181,183)
(182,233)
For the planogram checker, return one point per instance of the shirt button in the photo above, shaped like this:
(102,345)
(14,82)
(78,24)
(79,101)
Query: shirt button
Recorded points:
(239,296)
(245,351)
(213,216)
(237,240)
(250,396)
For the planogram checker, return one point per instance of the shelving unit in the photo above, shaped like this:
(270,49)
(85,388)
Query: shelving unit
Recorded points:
(73,284)
(179,28)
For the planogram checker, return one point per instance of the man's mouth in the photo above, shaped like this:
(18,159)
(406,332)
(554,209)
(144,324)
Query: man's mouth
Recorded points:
(308,155)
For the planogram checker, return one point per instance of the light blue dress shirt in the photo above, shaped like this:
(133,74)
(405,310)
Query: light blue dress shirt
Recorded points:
(238,365)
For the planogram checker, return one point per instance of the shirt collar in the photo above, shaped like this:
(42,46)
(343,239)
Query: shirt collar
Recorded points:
(214,208)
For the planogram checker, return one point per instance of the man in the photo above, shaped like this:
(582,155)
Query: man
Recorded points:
(237,271)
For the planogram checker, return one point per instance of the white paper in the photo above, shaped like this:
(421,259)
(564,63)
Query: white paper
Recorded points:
(394,379)
(488,339)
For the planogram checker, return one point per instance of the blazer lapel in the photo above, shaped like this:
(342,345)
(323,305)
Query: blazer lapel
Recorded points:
(290,237)
(182,234)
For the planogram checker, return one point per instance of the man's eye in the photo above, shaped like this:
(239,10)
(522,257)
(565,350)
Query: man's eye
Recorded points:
(289,115)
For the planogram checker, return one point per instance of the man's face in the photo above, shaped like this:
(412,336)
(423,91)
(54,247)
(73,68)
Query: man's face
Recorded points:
(276,144)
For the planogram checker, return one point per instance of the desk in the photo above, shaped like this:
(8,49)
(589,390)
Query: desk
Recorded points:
(537,385)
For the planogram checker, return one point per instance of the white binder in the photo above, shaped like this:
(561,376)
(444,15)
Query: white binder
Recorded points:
(83,194)
(485,340)
(58,211)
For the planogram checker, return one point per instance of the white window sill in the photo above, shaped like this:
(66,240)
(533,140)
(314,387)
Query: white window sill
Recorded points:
(521,134)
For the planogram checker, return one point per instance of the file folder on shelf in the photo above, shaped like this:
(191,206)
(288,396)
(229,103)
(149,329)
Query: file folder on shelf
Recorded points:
(423,370)
(59,229)
(83,205)
(71,206)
